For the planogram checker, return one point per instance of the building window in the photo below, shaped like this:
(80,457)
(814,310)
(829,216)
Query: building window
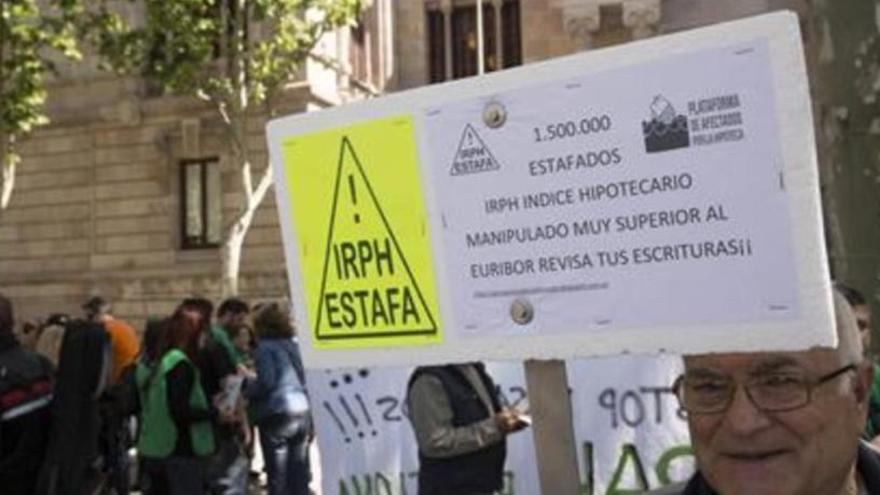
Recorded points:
(501,38)
(201,203)
(436,47)
(511,52)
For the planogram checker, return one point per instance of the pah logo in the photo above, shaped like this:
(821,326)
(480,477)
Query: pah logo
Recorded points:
(667,130)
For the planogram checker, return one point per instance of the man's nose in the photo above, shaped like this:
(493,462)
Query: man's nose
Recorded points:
(743,417)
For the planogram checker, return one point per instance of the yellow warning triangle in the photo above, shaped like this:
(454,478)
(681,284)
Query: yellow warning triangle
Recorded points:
(367,287)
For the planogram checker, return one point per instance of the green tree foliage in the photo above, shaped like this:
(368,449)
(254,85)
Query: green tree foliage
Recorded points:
(234,54)
(867,82)
(31,34)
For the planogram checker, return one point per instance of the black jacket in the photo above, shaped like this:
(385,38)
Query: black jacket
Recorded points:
(481,471)
(25,394)
(73,437)
(867,464)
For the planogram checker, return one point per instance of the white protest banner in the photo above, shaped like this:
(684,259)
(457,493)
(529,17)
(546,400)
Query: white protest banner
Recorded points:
(629,433)
(660,195)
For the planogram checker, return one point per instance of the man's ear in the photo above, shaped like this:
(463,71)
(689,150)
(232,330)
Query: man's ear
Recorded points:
(864,380)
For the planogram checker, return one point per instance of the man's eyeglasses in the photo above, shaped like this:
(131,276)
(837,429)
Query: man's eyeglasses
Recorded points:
(775,392)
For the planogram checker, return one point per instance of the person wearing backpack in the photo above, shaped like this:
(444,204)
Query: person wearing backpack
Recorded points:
(25,393)
(73,454)
(176,436)
(280,403)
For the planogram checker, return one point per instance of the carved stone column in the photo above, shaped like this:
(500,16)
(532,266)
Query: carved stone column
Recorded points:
(642,17)
(499,39)
(446,8)
(580,18)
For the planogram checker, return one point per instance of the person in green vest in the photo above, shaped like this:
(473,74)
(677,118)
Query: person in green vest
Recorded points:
(176,435)
(231,315)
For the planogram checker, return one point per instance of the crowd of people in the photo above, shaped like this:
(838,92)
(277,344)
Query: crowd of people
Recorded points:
(197,385)
(188,395)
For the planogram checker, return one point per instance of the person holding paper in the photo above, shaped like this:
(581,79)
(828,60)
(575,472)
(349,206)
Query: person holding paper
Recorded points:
(781,423)
(460,428)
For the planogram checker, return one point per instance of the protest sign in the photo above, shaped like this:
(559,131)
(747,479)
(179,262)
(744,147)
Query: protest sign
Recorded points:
(661,195)
(630,434)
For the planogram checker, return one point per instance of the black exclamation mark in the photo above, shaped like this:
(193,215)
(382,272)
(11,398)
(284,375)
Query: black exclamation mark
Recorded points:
(336,419)
(354,199)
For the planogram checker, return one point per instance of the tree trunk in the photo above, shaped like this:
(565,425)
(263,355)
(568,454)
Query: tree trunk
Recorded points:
(235,235)
(231,258)
(8,162)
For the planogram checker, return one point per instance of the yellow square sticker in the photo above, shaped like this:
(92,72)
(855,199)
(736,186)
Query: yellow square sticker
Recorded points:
(365,248)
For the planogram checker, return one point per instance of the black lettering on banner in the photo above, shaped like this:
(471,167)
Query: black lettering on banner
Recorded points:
(401,483)
(517,394)
(392,406)
(658,393)
(630,459)
(367,484)
(629,455)
(608,400)
(587,487)
(632,407)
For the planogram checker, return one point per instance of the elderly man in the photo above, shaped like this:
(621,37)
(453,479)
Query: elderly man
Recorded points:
(781,423)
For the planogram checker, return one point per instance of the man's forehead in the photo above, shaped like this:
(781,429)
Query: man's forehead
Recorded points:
(757,362)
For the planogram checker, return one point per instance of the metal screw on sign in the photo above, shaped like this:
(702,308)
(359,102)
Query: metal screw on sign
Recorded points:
(494,115)
(521,311)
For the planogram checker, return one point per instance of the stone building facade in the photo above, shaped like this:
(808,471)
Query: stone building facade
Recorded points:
(101,193)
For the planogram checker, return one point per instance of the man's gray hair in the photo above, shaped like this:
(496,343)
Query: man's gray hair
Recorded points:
(849,345)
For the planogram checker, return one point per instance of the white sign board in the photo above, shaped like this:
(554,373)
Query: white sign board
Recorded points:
(661,195)
(629,432)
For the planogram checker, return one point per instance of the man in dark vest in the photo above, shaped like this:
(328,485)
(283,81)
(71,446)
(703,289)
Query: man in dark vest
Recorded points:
(460,428)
